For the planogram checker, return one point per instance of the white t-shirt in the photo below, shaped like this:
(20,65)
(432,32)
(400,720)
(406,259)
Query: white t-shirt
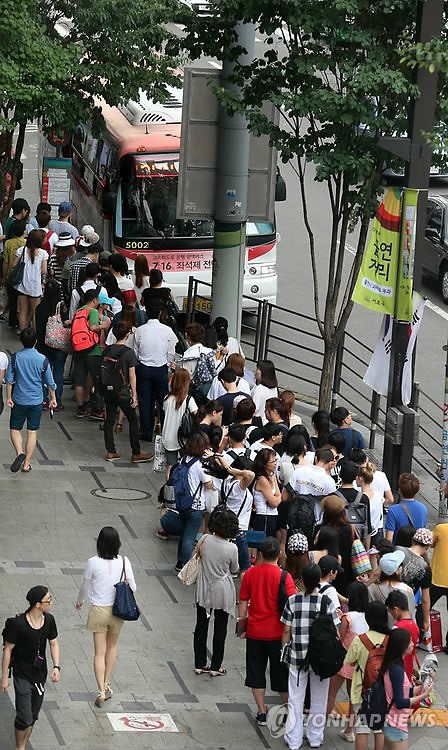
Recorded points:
(125,283)
(286,468)
(31,283)
(139,289)
(239,498)
(173,418)
(380,482)
(331,593)
(74,299)
(260,395)
(100,577)
(376,511)
(217,389)
(196,476)
(312,480)
(239,452)
(4,361)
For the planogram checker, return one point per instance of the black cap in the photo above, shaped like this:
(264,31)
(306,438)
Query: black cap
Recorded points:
(36,594)
(327,563)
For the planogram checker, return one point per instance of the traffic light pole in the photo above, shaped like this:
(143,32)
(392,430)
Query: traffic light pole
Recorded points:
(397,455)
(232,178)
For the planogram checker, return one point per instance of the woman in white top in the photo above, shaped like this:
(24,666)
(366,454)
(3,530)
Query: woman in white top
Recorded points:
(266,492)
(227,345)
(141,272)
(34,277)
(175,405)
(236,362)
(265,387)
(376,501)
(102,572)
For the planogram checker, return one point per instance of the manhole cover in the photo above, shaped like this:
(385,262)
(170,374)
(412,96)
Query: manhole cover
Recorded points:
(120,493)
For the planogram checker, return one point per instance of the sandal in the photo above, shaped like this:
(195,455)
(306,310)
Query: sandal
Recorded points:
(118,427)
(218,672)
(202,670)
(26,469)
(100,698)
(108,692)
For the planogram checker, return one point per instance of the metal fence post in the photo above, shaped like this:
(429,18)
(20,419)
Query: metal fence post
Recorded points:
(267,329)
(338,372)
(374,412)
(189,300)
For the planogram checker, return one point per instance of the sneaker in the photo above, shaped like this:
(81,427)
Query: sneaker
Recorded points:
(142,457)
(113,456)
(96,416)
(261,719)
(161,534)
(82,411)
(178,567)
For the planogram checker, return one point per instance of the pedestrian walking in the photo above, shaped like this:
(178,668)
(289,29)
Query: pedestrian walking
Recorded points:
(215,590)
(24,652)
(27,371)
(51,306)
(102,572)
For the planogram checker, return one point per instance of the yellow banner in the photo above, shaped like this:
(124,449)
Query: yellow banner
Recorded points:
(375,285)
(407,250)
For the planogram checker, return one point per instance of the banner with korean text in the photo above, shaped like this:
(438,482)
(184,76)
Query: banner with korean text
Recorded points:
(407,250)
(375,285)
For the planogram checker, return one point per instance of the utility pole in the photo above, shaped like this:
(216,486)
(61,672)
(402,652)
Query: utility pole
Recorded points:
(398,443)
(232,178)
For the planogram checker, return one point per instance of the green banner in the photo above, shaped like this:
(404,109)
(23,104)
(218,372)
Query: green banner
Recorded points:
(375,285)
(407,250)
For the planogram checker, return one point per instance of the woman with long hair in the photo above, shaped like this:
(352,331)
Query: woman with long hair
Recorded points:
(289,399)
(215,590)
(141,272)
(236,362)
(34,277)
(266,492)
(175,405)
(401,695)
(326,542)
(46,309)
(101,574)
(334,514)
(297,557)
(226,345)
(293,456)
(321,426)
(353,623)
(364,481)
(266,386)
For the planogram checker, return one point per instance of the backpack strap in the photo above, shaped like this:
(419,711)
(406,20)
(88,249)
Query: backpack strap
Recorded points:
(365,640)
(324,605)
(324,588)
(407,511)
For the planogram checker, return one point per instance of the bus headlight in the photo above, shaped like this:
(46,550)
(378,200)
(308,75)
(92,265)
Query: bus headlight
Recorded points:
(267,269)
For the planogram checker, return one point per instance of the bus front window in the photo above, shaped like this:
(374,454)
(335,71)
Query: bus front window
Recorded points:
(148,194)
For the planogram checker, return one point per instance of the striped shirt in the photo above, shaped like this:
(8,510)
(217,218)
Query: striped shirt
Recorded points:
(299,612)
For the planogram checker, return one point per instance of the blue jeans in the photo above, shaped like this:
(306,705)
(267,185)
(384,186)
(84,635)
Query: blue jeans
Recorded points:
(170,523)
(152,386)
(243,551)
(57,363)
(190,523)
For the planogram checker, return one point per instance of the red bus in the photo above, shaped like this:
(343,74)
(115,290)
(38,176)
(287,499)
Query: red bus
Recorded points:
(124,183)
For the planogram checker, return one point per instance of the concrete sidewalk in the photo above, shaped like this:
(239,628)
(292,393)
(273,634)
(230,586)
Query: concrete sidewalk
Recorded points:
(49,521)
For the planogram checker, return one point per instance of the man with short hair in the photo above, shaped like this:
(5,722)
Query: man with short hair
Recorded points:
(43,219)
(271,436)
(329,568)
(20,210)
(341,417)
(27,371)
(355,497)
(398,608)
(154,347)
(62,223)
(40,207)
(313,480)
(260,586)
(88,361)
(91,273)
(24,653)
(228,377)
(409,511)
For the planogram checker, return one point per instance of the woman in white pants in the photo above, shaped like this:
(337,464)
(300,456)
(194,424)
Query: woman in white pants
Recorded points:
(298,614)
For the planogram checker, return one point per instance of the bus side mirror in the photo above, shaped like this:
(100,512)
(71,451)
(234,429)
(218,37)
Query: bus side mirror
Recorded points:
(109,199)
(280,187)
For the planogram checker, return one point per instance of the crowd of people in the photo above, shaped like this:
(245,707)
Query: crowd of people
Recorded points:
(306,523)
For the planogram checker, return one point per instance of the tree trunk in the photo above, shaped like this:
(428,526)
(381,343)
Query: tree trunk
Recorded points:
(14,169)
(327,375)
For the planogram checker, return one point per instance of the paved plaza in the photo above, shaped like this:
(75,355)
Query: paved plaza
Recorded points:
(49,521)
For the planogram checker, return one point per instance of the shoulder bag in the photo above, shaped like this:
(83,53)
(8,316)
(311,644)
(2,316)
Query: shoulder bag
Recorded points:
(56,335)
(16,274)
(125,607)
(192,567)
(359,557)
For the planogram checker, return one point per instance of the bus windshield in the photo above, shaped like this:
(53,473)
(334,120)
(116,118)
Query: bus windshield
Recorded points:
(146,201)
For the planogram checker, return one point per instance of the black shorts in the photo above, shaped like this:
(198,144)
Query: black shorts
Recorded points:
(257,655)
(265,523)
(29,698)
(283,511)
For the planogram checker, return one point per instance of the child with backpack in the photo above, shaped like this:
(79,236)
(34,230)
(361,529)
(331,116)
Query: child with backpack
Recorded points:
(401,696)
(366,654)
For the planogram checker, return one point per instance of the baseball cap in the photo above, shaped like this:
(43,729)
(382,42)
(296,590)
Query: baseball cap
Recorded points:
(64,208)
(65,239)
(390,562)
(129,297)
(88,239)
(87,229)
(327,563)
(423,536)
(36,594)
(297,543)
(103,298)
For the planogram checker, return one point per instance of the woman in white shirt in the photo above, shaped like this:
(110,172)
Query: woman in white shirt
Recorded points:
(266,492)
(236,362)
(141,273)
(227,345)
(34,277)
(102,572)
(265,387)
(175,406)
(376,500)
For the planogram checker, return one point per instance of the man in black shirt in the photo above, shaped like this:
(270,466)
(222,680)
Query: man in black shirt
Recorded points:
(357,504)
(26,637)
(228,377)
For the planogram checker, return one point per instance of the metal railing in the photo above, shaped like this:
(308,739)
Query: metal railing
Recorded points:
(293,342)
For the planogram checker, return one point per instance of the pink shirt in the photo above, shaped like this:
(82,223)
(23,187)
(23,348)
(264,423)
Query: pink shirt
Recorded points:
(397,717)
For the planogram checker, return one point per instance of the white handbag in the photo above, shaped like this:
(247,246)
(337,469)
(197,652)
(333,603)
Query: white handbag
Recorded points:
(190,571)
(159,454)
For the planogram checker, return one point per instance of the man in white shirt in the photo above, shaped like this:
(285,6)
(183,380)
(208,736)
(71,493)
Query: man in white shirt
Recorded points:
(62,224)
(154,347)
(91,272)
(329,568)
(313,480)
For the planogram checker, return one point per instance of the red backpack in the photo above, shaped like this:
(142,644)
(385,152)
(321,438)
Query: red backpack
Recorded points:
(46,243)
(374,661)
(81,337)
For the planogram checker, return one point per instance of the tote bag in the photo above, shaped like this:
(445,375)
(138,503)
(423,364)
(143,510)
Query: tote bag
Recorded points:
(56,335)
(16,274)
(125,607)
(359,557)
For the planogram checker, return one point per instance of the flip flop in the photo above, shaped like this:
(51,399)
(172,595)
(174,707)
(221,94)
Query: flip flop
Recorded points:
(26,470)
(17,463)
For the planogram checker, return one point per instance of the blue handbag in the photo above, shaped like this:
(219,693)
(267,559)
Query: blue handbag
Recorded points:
(125,607)
(255,539)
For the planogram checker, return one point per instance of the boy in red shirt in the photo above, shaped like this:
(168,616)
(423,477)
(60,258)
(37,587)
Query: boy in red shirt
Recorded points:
(398,606)
(260,604)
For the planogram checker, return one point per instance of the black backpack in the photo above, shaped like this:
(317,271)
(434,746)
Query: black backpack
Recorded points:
(374,706)
(82,296)
(326,653)
(112,378)
(301,514)
(186,426)
(282,595)
(356,513)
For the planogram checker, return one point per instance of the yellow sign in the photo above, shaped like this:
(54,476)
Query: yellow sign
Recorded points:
(201,304)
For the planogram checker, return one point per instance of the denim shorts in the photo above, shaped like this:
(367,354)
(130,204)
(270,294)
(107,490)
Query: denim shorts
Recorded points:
(393,734)
(21,412)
